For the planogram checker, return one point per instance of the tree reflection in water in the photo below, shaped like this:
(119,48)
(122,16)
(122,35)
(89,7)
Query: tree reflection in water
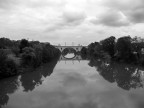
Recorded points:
(7,87)
(125,75)
(28,81)
(31,80)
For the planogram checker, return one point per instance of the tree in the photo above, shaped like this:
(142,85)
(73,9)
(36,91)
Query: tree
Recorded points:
(84,53)
(7,66)
(28,56)
(108,45)
(91,48)
(5,43)
(23,43)
(124,48)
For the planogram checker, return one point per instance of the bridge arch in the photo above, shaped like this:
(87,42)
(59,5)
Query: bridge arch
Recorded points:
(76,48)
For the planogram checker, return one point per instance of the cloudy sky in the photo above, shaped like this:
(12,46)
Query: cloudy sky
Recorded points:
(78,21)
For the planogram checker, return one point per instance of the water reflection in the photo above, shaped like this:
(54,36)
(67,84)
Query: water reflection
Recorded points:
(7,87)
(125,75)
(73,83)
(70,55)
(28,81)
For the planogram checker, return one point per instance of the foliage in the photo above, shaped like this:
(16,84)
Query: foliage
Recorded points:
(91,49)
(84,53)
(38,55)
(48,53)
(123,48)
(28,56)
(7,66)
(17,55)
(3,56)
(15,50)
(23,43)
(108,45)
(34,43)
(5,43)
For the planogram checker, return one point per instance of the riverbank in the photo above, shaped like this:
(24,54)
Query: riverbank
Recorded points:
(123,50)
(12,66)
(24,55)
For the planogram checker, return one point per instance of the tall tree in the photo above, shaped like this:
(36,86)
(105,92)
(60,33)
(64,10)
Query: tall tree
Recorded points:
(108,45)
(124,48)
(24,43)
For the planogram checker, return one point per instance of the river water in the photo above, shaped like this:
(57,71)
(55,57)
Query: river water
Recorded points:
(74,84)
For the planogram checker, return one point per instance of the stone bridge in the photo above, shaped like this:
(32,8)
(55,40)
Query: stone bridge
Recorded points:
(76,48)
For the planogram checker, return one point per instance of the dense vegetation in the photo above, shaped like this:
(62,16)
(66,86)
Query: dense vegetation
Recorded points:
(15,56)
(118,61)
(124,49)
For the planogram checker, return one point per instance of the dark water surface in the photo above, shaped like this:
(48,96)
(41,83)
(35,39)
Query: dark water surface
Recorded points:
(74,84)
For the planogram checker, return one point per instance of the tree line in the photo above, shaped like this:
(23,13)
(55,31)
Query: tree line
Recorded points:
(18,55)
(124,49)
(118,61)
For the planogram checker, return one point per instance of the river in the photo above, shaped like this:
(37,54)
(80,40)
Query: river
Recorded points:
(74,84)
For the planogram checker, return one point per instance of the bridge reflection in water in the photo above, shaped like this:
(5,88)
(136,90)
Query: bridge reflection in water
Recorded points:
(70,49)
(75,58)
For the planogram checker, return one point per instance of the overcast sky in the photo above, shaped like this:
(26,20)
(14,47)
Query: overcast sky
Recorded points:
(78,21)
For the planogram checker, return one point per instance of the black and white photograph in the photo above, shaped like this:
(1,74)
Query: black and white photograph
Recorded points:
(71,53)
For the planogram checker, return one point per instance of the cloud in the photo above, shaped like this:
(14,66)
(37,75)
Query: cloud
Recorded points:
(31,3)
(136,16)
(73,79)
(45,3)
(67,20)
(73,17)
(111,18)
(8,5)
(133,12)
(5,3)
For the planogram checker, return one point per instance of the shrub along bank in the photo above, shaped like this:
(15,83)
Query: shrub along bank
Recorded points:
(17,56)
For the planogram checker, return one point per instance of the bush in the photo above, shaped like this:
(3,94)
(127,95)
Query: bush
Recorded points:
(49,52)
(28,56)
(24,43)
(16,51)
(84,53)
(3,56)
(7,66)
(38,55)
(108,45)
(124,48)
